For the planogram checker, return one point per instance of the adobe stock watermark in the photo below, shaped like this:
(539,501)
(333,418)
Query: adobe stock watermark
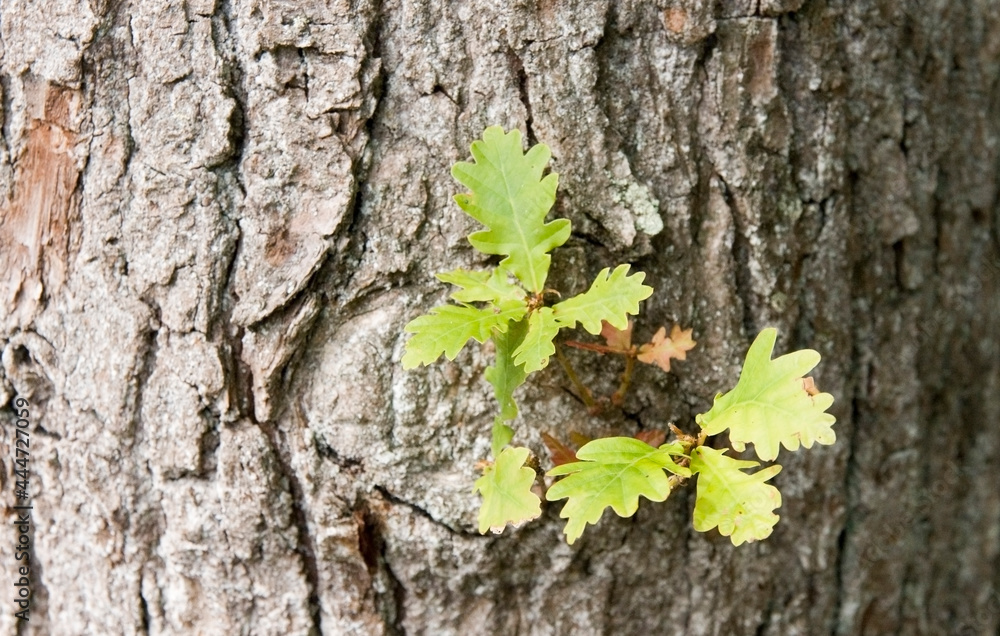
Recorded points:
(896,533)
(896,529)
(984,619)
(984,280)
(22,511)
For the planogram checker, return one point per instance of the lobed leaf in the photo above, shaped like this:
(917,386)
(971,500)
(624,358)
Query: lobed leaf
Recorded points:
(534,352)
(510,197)
(447,328)
(613,472)
(652,436)
(611,298)
(771,405)
(661,348)
(506,490)
(501,436)
(559,453)
(482,286)
(739,504)
(506,375)
(617,339)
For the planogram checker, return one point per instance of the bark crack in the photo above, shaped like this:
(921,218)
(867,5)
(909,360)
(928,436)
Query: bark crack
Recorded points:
(5,120)
(851,476)
(389,592)
(143,611)
(356,239)
(741,258)
(240,382)
(765,623)
(517,65)
(307,543)
(426,515)
(239,376)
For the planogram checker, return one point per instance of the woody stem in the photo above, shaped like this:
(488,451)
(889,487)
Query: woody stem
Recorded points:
(619,395)
(584,392)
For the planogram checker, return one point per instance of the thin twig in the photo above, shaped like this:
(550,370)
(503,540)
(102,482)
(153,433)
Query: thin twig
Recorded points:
(584,392)
(619,396)
(587,346)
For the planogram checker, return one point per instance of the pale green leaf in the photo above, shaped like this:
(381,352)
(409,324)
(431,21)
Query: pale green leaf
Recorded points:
(506,375)
(510,197)
(482,286)
(447,328)
(615,472)
(506,490)
(611,298)
(771,406)
(534,352)
(502,434)
(741,505)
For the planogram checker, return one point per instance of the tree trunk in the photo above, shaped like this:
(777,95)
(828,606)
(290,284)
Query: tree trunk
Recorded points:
(219,214)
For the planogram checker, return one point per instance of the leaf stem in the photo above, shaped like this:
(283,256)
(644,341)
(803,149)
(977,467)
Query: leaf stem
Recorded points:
(618,398)
(587,346)
(584,392)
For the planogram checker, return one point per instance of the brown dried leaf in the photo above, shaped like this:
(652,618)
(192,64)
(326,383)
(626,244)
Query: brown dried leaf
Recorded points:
(653,437)
(661,349)
(617,339)
(578,439)
(560,453)
(810,386)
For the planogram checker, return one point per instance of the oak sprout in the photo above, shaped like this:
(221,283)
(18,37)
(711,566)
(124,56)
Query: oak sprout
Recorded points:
(772,405)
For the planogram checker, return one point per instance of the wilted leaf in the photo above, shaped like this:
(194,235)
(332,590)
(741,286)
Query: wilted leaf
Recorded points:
(578,439)
(617,339)
(653,437)
(661,349)
(559,452)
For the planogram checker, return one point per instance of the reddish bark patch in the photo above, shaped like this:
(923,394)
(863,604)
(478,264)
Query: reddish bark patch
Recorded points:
(280,245)
(675,20)
(760,66)
(35,223)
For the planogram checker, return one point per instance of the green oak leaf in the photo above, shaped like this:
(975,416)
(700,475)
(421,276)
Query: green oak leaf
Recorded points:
(533,354)
(771,406)
(506,375)
(447,328)
(611,298)
(501,436)
(506,490)
(510,197)
(482,286)
(615,472)
(741,505)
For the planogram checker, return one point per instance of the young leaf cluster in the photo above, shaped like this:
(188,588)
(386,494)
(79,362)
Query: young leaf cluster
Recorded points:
(509,195)
(772,405)
(613,472)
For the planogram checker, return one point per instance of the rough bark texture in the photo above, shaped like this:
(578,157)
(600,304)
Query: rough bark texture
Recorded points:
(217,215)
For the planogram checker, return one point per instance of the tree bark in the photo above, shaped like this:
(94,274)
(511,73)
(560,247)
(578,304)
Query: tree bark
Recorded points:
(217,216)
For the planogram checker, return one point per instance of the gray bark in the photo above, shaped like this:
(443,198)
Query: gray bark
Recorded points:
(217,215)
